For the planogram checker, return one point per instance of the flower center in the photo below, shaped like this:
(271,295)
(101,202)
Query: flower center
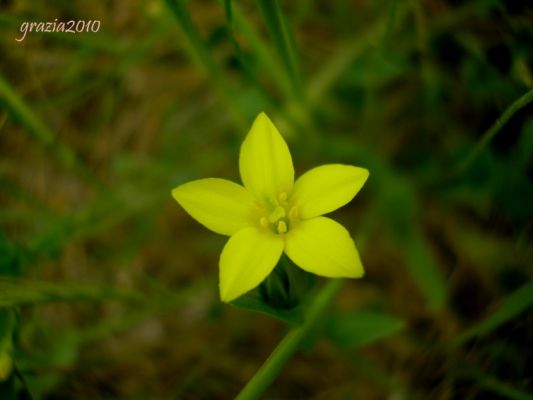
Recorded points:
(279,216)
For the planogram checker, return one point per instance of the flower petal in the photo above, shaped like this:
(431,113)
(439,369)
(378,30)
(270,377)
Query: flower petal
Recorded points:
(265,162)
(247,259)
(324,189)
(323,247)
(220,205)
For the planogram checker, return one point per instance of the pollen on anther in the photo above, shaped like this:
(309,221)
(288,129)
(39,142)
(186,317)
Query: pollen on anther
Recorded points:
(282,227)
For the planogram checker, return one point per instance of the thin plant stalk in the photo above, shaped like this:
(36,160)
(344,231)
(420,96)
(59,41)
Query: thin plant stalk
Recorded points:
(290,344)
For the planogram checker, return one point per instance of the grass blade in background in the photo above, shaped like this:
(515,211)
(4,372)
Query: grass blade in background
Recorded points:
(202,57)
(520,103)
(512,306)
(495,385)
(34,126)
(41,133)
(350,330)
(284,42)
(266,60)
(16,292)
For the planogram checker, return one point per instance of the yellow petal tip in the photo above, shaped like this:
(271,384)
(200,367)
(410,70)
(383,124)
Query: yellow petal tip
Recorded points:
(262,114)
(175,192)
(358,274)
(227,295)
(225,298)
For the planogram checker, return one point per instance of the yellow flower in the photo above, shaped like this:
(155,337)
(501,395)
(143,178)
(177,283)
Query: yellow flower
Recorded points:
(272,213)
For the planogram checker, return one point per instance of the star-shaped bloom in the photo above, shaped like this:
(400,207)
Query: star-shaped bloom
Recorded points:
(272,213)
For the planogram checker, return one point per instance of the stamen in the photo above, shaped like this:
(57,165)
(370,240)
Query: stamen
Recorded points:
(279,212)
(282,227)
(264,222)
(283,197)
(293,213)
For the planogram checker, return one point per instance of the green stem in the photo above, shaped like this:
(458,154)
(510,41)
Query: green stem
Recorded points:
(272,367)
(495,128)
(284,42)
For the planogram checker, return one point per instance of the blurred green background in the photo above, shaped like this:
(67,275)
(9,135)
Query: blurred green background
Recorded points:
(108,289)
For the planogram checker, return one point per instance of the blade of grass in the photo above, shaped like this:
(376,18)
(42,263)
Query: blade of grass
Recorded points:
(295,112)
(35,127)
(517,105)
(350,50)
(391,19)
(247,67)
(284,42)
(494,385)
(513,305)
(201,56)
(265,57)
(40,132)
(16,292)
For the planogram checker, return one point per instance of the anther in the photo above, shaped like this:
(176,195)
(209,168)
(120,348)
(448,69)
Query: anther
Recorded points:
(282,197)
(264,222)
(293,213)
(282,227)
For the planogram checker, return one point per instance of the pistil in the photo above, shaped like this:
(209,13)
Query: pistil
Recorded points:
(279,217)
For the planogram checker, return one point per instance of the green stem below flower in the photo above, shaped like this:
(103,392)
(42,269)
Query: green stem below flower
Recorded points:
(290,344)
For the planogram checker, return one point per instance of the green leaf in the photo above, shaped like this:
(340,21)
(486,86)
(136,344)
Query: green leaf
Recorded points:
(253,302)
(352,330)
(513,305)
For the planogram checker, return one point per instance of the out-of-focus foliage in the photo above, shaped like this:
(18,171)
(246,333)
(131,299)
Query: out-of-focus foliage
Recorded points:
(97,128)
